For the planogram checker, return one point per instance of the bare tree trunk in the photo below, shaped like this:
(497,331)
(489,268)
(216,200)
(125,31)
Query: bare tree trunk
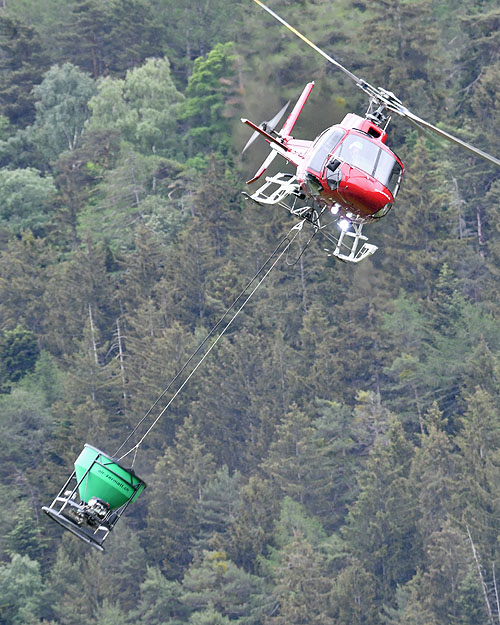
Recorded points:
(120,359)
(480,236)
(93,353)
(419,410)
(134,180)
(459,202)
(496,591)
(92,334)
(483,584)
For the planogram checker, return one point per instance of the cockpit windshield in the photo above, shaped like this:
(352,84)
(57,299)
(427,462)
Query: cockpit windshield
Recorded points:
(368,156)
(323,145)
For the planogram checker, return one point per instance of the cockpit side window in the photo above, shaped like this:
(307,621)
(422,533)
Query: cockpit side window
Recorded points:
(389,173)
(323,146)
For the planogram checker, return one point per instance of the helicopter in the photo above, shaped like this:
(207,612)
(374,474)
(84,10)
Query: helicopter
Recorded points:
(348,175)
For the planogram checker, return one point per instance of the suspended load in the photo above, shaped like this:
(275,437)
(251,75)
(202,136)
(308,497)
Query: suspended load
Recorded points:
(95,496)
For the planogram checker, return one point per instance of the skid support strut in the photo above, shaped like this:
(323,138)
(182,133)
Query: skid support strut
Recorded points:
(347,248)
(284,190)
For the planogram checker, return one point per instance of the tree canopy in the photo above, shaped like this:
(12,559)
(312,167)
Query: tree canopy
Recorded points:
(335,459)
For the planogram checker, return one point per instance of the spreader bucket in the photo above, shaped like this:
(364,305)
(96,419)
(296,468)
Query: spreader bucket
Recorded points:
(95,496)
(99,476)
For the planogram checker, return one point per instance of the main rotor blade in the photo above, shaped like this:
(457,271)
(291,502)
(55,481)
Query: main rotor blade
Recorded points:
(384,97)
(309,42)
(422,124)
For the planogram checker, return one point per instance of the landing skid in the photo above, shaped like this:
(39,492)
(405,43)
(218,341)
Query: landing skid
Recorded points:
(284,190)
(347,249)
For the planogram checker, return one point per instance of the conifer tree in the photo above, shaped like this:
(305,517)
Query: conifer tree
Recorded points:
(353,597)
(433,475)
(18,355)
(22,64)
(479,442)
(339,444)
(159,600)
(217,508)
(21,590)
(252,528)
(177,486)
(213,581)
(301,585)
(110,38)
(292,463)
(380,528)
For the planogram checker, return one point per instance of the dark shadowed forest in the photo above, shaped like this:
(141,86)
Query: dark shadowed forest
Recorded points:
(336,458)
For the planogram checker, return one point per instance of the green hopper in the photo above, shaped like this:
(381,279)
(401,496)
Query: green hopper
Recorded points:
(95,496)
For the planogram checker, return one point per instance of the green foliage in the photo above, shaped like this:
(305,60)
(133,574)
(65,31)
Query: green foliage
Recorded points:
(210,91)
(335,459)
(61,109)
(110,37)
(142,106)
(21,591)
(18,355)
(215,582)
(160,600)
(28,197)
(22,64)
(26,536)
(302,585)
(380,528)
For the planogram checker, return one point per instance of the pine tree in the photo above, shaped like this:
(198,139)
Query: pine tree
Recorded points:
(213,581)
(301,586)
(479,442)
(159,600)
(177,486)
(111,37)
(380,528)
(433,477)
(339,446)
(292,463)
(21,590)
(252,528)
(18,355)
(23,266)
(217,508)
(448,564)
(22,64)
(353,598)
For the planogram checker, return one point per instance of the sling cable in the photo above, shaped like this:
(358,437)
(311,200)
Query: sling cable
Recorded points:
(100,488)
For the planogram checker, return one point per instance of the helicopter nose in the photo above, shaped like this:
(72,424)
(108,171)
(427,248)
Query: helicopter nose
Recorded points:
(364,194)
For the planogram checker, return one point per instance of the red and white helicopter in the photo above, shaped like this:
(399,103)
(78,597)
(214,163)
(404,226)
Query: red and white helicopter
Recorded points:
(347,173)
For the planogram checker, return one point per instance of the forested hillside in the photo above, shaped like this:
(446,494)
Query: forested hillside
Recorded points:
(336,458)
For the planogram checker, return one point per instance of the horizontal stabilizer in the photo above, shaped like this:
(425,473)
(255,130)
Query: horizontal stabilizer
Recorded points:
(263,167)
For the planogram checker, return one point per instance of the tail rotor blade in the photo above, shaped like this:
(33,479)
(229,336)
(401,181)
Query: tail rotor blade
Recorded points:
(272,123)
(267,126)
